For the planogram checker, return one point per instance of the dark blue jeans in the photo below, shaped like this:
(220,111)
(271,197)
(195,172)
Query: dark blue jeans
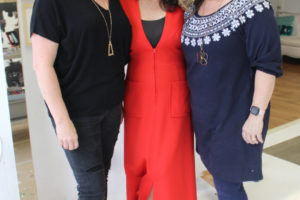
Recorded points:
(91,161)
(230,191)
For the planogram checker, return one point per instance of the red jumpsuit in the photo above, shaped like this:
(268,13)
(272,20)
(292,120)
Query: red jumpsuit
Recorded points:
(159,148)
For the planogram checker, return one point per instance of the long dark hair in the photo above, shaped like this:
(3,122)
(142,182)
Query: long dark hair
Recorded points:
(169,5)
(197,4)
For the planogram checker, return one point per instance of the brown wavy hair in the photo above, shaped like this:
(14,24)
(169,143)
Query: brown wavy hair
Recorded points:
(169,5)
(197,4)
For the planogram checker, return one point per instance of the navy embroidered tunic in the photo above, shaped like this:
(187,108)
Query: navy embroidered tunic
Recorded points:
(239,38)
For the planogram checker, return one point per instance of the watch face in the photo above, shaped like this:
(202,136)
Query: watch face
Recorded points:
(254,110)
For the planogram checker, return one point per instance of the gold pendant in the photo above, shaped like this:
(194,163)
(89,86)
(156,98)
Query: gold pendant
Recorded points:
(110,49)
(202,57)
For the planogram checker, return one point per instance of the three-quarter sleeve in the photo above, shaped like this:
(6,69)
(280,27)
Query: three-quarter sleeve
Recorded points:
(45,20)
(263,42)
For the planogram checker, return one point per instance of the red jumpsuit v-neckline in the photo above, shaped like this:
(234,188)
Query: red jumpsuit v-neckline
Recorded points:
(159,151)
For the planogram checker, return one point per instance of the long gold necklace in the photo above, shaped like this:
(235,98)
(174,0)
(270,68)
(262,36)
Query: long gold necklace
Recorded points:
(202,55)
(109,31)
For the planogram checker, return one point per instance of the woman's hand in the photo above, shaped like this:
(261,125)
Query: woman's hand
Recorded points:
(264,86)
(67,135)
(252,129)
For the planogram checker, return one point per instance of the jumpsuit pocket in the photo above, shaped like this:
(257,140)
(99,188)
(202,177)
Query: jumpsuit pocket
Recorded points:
(180,99)
(136,99)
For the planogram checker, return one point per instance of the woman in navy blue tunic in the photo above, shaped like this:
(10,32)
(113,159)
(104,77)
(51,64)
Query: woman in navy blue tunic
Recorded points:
(232,52)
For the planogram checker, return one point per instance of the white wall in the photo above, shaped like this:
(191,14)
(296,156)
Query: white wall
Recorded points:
(286,5)
(117,179)
(53,175)
(290,5)
(274,4)
(8,173)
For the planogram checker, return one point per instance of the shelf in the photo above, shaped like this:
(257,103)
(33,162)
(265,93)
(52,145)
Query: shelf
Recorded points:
(14,89)
(11,53)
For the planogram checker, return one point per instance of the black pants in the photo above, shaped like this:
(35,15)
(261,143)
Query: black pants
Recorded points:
(91,161)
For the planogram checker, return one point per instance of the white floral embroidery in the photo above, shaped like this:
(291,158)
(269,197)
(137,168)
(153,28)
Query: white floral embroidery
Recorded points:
(193,42)
(204,30)
(250,14)
(226,32)
(200,42)
(242,19)
(266,4)
(216,37)
(187,41)
(207,40)
(235,24)
(259,8)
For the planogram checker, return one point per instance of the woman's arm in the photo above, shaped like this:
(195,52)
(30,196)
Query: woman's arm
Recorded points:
(44,53)
(264,86)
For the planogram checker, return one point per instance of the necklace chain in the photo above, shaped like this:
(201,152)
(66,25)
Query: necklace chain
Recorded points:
(109,31)
(202,56)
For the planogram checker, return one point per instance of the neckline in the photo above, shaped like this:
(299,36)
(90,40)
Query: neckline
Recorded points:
(217,11)
(139,16)
(156,20)
(99,6)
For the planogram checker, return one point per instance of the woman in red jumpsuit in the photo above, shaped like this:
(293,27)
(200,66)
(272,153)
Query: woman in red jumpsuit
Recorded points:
(159,152)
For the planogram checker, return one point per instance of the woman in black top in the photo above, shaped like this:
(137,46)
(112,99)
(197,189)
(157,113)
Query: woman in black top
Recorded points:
(79,52)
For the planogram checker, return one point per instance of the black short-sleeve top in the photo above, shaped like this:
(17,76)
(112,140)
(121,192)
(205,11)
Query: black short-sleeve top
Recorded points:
(90,80)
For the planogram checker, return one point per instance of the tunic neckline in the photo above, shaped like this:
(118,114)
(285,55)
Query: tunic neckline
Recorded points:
(204,30)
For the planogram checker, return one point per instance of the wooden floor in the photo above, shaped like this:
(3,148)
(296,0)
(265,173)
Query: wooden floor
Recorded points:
(288,150)
(285,103)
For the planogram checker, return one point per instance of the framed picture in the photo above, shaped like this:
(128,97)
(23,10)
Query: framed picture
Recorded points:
(27,12)
(9,23)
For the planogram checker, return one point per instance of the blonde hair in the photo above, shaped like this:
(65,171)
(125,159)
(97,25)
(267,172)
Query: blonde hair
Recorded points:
(186,4)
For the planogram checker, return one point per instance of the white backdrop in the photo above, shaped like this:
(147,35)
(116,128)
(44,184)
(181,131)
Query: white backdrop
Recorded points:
(117,180)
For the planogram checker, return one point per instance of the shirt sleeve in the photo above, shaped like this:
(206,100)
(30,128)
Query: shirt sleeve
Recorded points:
(45,21)
(263,42)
